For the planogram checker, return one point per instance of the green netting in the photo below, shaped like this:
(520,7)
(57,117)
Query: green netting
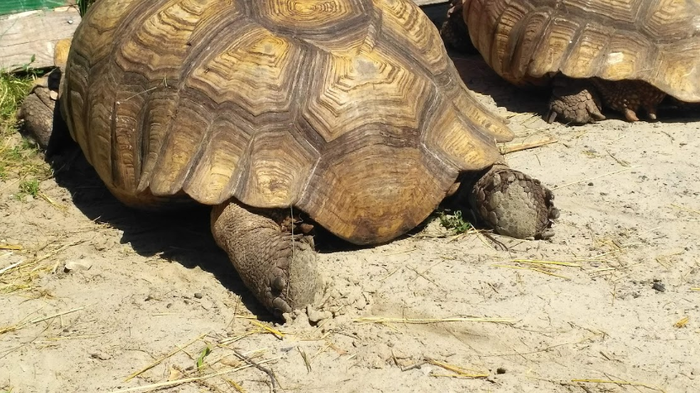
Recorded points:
(12,6)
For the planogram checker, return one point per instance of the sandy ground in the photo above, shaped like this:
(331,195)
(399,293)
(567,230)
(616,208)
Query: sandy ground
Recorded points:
(102,293)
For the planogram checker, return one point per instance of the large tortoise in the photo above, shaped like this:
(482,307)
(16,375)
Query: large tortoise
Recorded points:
(628,53)
(348,113)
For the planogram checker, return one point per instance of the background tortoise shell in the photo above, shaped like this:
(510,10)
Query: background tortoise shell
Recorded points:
(656,41)
(349,110)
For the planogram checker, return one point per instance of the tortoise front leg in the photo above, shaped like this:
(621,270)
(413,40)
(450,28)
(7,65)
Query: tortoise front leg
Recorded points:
(513,203)
(574,101)
(278,267)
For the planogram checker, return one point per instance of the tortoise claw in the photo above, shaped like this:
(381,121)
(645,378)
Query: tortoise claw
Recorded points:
(630,115)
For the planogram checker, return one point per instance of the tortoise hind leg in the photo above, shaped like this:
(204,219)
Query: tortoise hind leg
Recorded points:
(513,203)
(278,267)
(574,101)
(628,96)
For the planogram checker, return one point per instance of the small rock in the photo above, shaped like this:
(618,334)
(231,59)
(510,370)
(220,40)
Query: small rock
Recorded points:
(100,355)
(658,286)
(500,370)
(198,295)
(76,265)
(316,316)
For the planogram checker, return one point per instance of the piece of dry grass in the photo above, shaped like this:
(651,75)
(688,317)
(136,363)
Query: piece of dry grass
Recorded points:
(427,321)
(11,247)
(685,209)
(161,385)
(544,262)
(550,347)
(526,144)
(588,179)
(278,334)
(21,276)
(682,322)
(169,355)
(621,383)
(549,268)
(534,269)
(25,322)
(459,372)
(235,385)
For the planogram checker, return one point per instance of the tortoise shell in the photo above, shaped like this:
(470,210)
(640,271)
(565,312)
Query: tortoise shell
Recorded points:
(656,41)
(349,110)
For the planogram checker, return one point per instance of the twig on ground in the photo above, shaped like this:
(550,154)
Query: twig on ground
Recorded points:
(534,269)
(592,178)
(627,383)
(11,247)
(512,147)
(425,321)
(159,361)
(259,367)
(460,372)
(187,380)
(56,315)
(14,265)
(279,335)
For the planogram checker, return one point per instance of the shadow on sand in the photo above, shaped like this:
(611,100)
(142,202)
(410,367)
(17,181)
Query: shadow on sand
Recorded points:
(181,236)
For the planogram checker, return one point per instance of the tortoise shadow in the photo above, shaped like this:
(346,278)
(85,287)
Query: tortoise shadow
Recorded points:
(181,236)
(480,78)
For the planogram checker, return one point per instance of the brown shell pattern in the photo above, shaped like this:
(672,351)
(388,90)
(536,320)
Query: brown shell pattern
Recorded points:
(657,41)
(349,110)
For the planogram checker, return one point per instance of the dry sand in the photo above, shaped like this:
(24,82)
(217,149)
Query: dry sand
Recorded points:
(598,308)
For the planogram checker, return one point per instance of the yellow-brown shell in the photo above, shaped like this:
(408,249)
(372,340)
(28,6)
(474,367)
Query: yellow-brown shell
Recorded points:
(349,110)
(657,41)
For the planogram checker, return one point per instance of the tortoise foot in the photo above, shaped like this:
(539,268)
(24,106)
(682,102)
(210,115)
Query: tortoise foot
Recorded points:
(514,204)
(278,267)
(454,31)
(574,101)
(629,96)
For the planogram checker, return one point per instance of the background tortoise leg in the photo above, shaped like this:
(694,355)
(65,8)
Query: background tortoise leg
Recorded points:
(454,30)
(574,101)
(628,96)
(279,268)
(513,203)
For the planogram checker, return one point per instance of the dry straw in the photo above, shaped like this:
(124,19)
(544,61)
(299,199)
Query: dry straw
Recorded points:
(621,383)
(159,361)
(459,372)
(177,382)
(426,321)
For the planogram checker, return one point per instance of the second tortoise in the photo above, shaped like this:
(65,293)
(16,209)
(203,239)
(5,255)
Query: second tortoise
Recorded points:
(625,55)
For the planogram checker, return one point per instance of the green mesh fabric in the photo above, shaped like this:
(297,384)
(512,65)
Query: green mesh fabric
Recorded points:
(12,6)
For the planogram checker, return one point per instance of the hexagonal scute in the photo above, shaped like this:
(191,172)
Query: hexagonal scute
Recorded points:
(374,184)
(347,93)
(258,71)
(403,21)
(277,168)
(327,24)
(175,22)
